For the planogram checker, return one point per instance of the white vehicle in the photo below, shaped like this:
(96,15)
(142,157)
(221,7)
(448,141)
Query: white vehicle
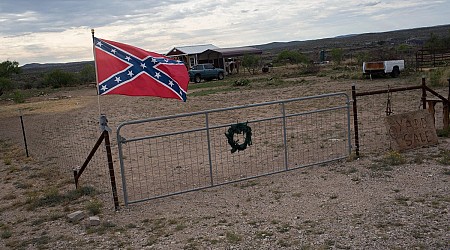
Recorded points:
(392,67)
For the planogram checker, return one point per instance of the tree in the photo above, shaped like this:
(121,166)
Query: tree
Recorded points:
(251,63)
(7,68)
(362,57)
(337,55)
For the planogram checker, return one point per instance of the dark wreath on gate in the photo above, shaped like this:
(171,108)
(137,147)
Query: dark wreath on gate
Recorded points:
(238,129)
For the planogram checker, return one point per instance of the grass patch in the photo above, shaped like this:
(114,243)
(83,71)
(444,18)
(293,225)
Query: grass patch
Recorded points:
(51,197)
(443,132)
(6,234)
(394,158)
(249,184)
(232,237)
(444,157)
(94,207)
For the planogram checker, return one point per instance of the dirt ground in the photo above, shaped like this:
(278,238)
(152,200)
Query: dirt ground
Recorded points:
(379,201)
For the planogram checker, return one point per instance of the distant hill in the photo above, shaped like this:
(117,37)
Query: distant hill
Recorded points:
(360,41)
(42,67)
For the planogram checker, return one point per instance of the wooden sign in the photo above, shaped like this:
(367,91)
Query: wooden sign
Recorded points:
(411,130)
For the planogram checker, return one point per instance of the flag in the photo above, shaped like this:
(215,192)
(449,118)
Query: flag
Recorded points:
(127,70)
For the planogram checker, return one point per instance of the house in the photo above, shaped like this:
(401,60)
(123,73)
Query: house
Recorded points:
(189,54)
(228,58)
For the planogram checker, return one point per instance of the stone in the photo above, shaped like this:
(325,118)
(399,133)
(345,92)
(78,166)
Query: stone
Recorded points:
(94,221)
(76,216)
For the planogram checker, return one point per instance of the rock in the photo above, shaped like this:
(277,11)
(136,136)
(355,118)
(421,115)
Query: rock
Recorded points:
(76,216)
(94,221)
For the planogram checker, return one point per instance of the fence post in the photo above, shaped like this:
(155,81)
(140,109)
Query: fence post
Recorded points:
(24,137)
(355,119)
(446,108)
(106,130)
(424,94)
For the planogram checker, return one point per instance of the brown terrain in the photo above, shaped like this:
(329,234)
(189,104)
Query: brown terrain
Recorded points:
(382,200)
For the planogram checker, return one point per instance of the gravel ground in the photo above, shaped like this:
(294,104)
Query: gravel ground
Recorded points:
(386,201)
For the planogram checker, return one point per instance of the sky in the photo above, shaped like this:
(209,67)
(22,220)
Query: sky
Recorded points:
(55,31)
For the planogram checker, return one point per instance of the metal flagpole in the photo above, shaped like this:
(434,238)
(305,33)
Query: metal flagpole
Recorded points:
(96,74)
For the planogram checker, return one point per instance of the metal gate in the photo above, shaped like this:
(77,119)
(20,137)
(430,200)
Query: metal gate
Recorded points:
(175,154)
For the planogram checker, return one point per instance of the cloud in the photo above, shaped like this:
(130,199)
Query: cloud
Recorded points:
(60,29)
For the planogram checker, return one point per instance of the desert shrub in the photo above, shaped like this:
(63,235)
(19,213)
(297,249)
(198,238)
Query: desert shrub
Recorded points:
(94,207)
(439,77)
(18,97)
(87,74)
(337,55)
(241,82)
(394,158)
(58,78)
(290,56)
(311,68)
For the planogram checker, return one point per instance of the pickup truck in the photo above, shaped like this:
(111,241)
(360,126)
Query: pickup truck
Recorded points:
(205,71)
(392,67)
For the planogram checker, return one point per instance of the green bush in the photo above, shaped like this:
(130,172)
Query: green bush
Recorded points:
(5,84)
(94,207)
(241,82)
(87,74)
(18,97)
(58,78)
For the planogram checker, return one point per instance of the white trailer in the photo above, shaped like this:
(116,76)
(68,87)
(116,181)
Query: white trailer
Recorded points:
(392,67)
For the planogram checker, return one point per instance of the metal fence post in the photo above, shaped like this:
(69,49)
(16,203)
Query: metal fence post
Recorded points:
(106,130)
(209,149)
(355,120)
(446,108)
(285,137)
(24,137)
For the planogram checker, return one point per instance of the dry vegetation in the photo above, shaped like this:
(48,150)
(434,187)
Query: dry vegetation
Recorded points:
(387,201)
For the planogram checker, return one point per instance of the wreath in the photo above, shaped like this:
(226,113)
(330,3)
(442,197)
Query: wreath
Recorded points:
(238,129)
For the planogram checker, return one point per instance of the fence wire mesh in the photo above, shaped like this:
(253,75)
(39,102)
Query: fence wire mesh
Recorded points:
(62,142)
(159,161)
(372,112)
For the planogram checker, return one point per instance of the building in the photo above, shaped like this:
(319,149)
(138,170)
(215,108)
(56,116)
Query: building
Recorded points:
(189,54)
(227,58)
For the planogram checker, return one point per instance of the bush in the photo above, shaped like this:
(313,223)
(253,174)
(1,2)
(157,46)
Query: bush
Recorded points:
(18,97)
(5,84)
(58,78)
(242,82)
(439,77)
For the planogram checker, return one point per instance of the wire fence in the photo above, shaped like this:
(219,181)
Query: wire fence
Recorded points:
(64,141)
(372,109)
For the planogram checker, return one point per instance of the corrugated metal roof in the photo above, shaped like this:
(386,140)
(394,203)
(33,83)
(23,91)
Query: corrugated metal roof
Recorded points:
(190,50)
(229,52)
(238,51)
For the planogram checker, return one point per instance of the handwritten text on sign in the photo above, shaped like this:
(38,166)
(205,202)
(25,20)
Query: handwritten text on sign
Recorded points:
(411,130)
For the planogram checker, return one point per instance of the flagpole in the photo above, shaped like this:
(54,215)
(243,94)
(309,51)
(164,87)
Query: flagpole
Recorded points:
(96,74)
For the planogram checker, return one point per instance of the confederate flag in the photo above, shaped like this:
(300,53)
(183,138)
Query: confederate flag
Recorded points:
(127,70)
